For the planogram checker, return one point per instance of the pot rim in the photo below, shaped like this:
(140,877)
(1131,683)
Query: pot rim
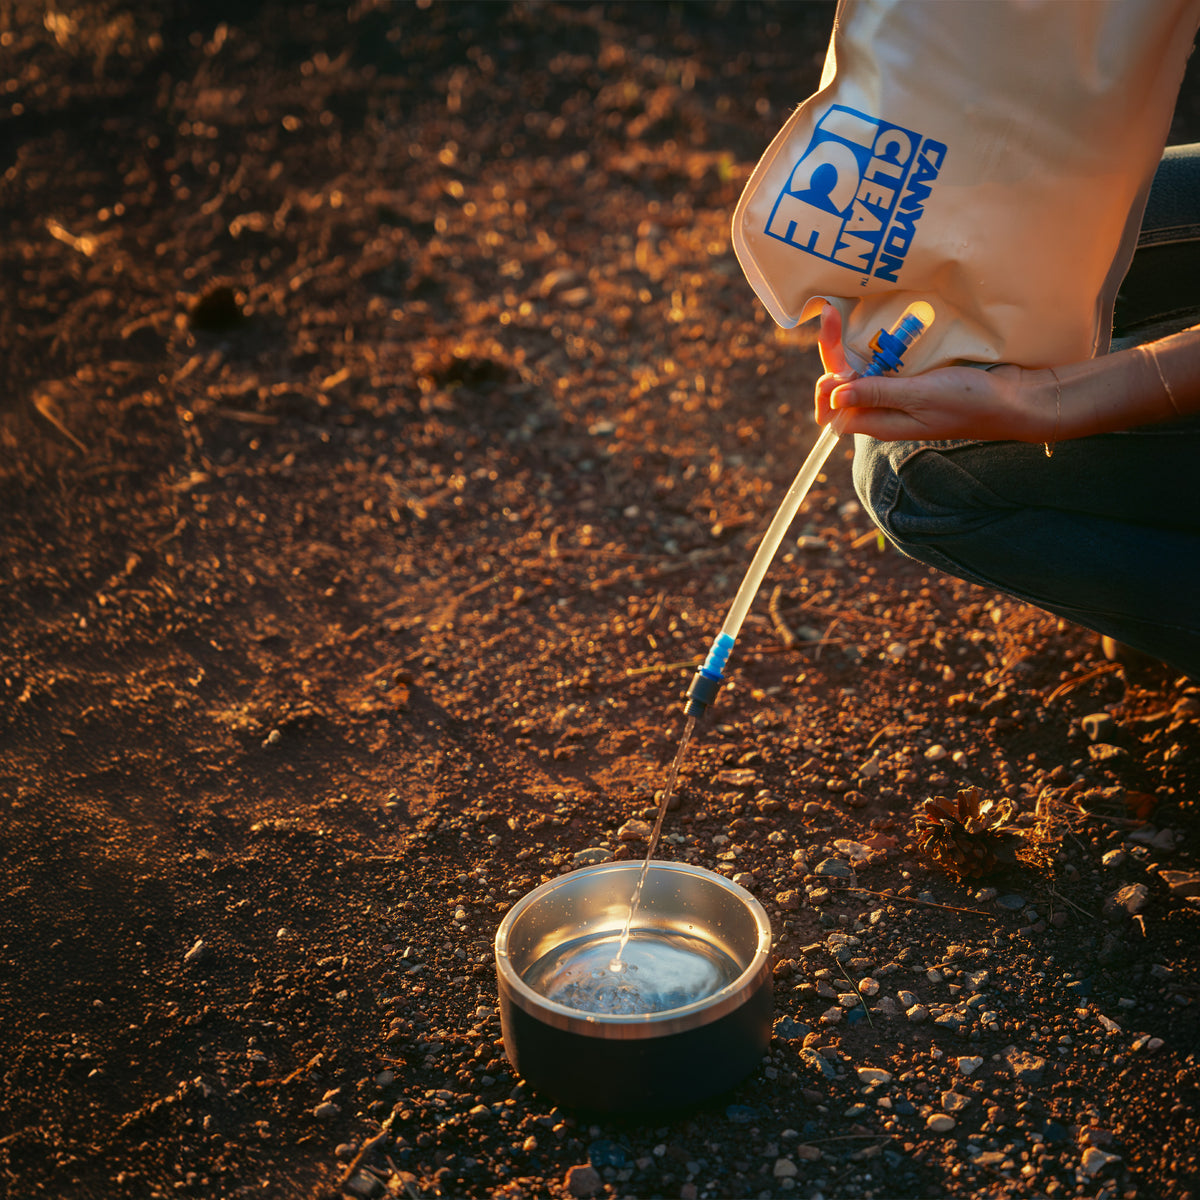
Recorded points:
(634,1025)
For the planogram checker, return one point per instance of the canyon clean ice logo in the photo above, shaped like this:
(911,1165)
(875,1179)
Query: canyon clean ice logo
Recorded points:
(857,193)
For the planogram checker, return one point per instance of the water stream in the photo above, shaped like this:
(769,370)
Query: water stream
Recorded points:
(618,962)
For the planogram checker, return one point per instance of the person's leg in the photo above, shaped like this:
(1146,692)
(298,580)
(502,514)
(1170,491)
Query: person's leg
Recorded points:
(1107,532)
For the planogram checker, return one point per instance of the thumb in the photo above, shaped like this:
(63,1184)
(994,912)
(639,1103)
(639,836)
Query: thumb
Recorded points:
(829,340)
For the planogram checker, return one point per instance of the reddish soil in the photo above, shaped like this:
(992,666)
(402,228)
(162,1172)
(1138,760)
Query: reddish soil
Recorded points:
(385,426)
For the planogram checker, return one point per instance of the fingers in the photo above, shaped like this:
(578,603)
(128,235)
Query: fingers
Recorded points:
(878,392)
(825,387)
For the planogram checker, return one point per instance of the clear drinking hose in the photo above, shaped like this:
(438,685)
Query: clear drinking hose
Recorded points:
(889,346)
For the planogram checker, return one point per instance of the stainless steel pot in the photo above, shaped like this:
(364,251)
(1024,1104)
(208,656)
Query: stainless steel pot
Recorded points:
(636,1060)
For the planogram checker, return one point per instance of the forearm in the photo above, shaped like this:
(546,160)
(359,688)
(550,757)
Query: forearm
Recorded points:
(1140,386)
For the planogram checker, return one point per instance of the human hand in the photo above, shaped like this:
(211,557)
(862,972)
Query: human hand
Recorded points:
(1004,403)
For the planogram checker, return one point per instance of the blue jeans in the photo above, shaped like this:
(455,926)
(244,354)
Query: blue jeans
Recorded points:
(1107,532)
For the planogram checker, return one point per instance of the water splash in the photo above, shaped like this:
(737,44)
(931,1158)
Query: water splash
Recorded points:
(662,969)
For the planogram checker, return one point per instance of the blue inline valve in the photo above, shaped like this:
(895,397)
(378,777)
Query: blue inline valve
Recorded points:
(706,683)
(889,345)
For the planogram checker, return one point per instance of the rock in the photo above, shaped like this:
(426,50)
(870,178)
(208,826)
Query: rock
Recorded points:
(737,777)
(917,1014)
(1130,899)
(968,1066)
(1099,726)
(935,753)
(785,1169)
(1012,902)
(833,868)
(635,831)
(196,953)
(818,1062)
(590,856)
(745,879)
(953,1102)
(363,1185)
(787,1028)
(1095,1160)
(1182,883)
(1103,752)
(1026,1067)
(940,1123)
(1157,839)
(856,852)
(871,768)
(325,1110)
(584,1180)
(873,1076)
(789,901)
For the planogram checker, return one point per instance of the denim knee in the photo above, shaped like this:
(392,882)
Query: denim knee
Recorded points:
(920,497)
(877,481)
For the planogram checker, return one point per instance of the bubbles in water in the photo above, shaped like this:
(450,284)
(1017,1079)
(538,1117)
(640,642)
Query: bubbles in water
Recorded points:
(659,970)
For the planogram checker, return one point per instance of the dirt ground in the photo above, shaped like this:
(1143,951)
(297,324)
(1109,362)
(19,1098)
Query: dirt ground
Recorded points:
(385,427)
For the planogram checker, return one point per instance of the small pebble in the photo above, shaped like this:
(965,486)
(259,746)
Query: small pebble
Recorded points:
(1098,726)
(1026,1067)
(1131,899)
(634,831)
(940,1123)
(1095,1160)
(589,856)
(873,1076)
(584,1180)
(833,868)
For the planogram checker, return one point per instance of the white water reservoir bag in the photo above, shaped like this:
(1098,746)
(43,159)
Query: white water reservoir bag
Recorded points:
(992,158)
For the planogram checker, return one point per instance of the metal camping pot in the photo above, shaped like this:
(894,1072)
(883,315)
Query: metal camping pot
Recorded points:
(627,1061)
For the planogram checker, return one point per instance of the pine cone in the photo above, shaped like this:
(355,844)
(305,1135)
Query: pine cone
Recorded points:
(968,836)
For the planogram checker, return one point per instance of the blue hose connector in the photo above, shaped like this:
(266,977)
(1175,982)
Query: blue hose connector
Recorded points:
(706,683)
(889,345)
